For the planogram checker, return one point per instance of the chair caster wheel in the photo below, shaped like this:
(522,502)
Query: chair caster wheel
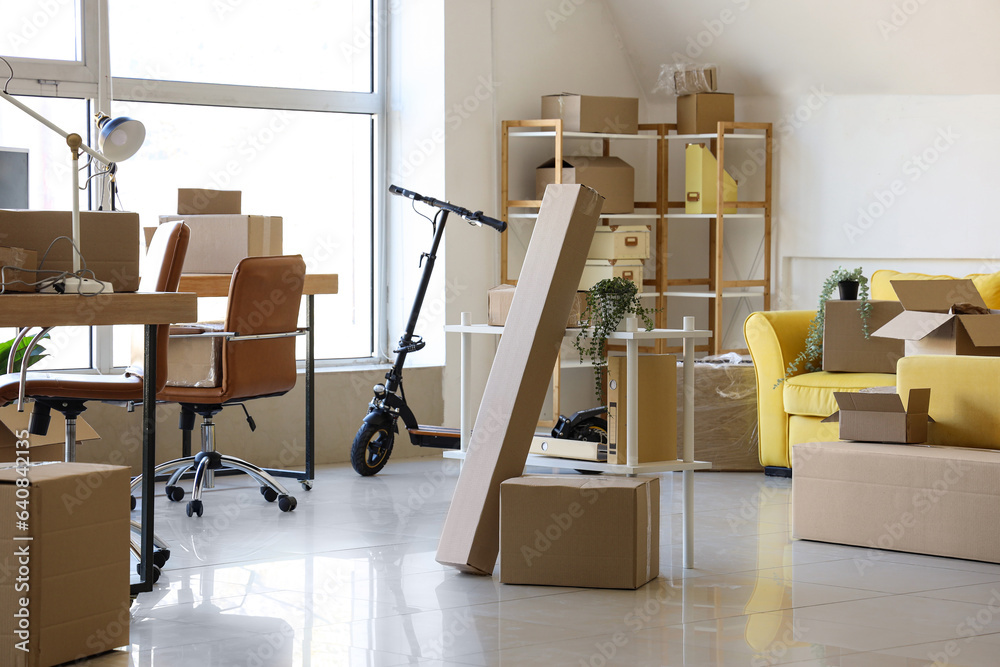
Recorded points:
(307,484)
(287,503)
(131,503)
(195,507)
(270,495)
(175,493)
(156,572)
(160,557)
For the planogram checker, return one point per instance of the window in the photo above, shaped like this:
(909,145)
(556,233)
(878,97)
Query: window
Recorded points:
(292,120)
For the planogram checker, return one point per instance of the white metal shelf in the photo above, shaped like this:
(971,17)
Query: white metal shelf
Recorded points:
(711,295)
(614,216)
(712,216)
(713,135)
(609,468)
(528,132)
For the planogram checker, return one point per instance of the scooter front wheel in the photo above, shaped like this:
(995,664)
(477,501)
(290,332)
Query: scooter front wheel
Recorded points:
(371,448)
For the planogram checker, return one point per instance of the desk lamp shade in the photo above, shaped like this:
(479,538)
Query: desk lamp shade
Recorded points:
(119,138)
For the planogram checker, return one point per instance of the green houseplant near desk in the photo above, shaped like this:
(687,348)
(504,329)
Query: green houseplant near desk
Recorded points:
(609,302)
(37,354)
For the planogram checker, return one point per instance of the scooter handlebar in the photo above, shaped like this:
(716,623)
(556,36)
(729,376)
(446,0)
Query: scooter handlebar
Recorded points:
(474,217)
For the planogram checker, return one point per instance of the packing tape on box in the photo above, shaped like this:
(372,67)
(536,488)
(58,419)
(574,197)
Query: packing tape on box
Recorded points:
(266,249)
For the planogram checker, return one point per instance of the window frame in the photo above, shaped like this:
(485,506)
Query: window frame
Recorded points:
(83,80)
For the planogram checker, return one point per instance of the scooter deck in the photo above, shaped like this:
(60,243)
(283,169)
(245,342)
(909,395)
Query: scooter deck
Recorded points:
(441,437)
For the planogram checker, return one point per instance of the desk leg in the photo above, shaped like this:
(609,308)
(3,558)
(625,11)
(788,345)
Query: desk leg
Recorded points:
(688,453)
(310,388)
(148,460)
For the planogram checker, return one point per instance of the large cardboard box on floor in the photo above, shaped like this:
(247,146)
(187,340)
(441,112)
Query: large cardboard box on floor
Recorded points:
(611,176)
(518,381)
(595,532)
(197,201)
(587,113)
(845,347)
(66,594)
(940,501)
(928,327)
(219,242)
(48,447)
(500,297)
(109,241)
(701,113)
(881,417)
(701,182)
(657,408)
(12,280)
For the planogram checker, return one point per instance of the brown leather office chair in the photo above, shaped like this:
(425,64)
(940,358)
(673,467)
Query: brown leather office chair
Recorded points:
(68,393)
(258,360)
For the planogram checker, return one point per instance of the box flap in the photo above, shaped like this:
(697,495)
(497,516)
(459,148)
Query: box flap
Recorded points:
(936,296)
(984,330)
(581,161)
(919,401)
(860,402)
(913,324)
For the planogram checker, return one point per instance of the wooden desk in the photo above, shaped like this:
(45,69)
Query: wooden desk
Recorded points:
(217,284)
(148,309)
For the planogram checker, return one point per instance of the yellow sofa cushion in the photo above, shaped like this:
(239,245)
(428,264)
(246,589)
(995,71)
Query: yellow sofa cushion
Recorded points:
(811,394)
(988,284)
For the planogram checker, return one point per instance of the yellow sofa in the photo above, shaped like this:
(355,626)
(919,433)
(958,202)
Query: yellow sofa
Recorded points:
(965,391)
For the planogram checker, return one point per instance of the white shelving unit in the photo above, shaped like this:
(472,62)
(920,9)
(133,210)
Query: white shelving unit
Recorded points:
(686,464)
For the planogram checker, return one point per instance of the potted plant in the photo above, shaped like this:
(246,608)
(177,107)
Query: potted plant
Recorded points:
(810,358)
(37,354)
(609,302)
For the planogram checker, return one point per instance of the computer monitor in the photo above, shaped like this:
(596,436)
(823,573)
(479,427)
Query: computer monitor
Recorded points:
(13,178)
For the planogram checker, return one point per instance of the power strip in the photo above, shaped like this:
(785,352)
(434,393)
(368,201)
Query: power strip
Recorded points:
(77,285)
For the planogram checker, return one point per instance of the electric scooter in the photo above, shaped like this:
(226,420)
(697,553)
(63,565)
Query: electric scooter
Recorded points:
(373,443)
(374,440)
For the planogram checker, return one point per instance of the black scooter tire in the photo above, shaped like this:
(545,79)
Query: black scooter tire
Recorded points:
(367,463)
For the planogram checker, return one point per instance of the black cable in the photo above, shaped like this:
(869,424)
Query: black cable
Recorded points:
(11,68)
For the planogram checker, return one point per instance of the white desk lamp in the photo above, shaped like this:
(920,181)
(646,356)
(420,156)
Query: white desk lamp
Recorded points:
(119,140)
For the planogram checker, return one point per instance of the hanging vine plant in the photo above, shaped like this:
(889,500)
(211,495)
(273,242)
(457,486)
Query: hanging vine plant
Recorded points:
(608,303)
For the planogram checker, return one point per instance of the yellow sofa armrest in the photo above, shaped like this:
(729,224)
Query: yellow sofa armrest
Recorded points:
(774,339)
(965,392)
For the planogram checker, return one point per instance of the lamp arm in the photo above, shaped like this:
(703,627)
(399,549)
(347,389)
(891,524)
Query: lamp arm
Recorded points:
(52,126)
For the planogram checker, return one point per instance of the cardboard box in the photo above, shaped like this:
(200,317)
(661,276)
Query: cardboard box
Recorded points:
(48,447)
(12,280)
(593,532)
(620,242)
(500,297)
(196,201)
(725,414)
(596,270)
(880,417)
(657,408)
(928,328)
(586,113)
(72,583)
(845,347)
(701,182)
(940,501)
(564,448)
(611,176)
(219,242)
(109,241)
(194,362)
(702,112)
(518,381)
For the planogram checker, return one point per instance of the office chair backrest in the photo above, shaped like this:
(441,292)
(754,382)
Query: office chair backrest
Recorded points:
(161,273)
(264,298)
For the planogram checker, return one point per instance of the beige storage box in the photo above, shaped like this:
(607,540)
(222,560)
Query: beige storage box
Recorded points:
(568,530)
(563,448)
(620,242)
(939,501)
(70,598)
(597,270)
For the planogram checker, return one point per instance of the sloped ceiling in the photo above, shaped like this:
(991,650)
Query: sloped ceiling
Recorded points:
(773,47)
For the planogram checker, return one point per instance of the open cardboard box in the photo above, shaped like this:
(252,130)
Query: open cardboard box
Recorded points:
(881,417)
(48,447)
(928,327)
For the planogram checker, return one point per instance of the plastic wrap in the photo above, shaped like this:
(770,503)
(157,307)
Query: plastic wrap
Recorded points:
(686,79)
(725,413)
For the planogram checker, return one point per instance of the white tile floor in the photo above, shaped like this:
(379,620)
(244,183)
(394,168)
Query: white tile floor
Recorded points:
(350,578)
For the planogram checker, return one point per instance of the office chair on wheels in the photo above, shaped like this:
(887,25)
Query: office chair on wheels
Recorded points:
(258,360)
